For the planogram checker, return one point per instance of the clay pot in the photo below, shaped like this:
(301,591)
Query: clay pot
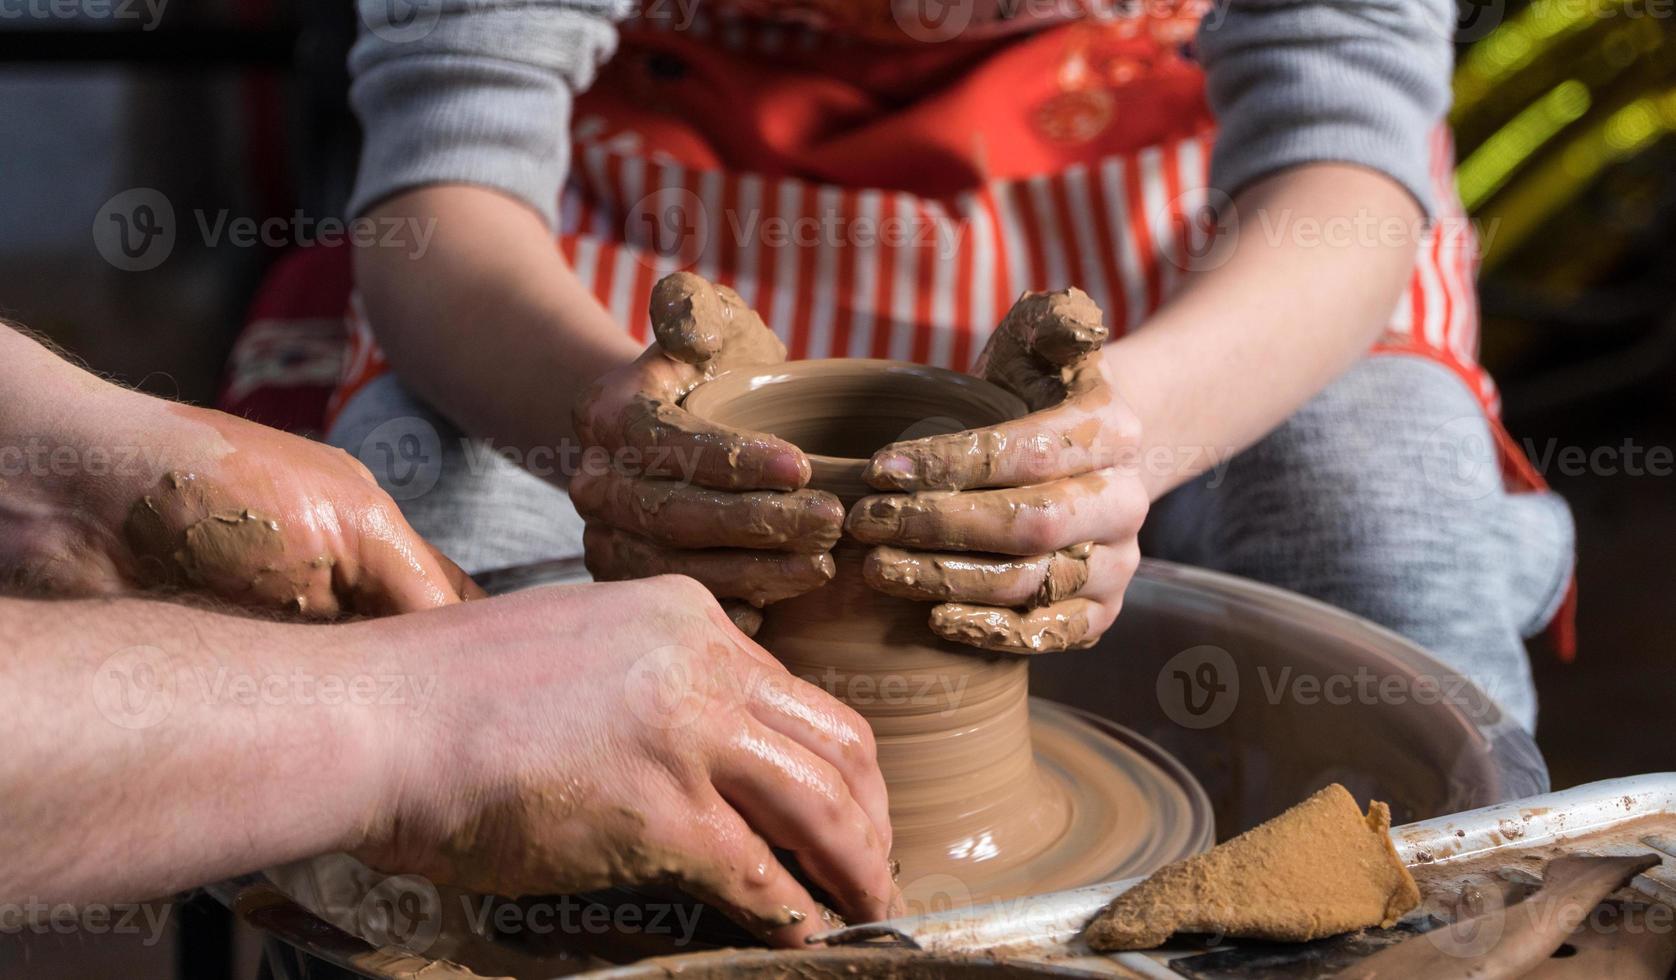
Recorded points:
(975,817)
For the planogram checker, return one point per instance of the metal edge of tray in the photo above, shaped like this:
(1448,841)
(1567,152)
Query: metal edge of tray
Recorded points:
(1030,925)
(1024,924)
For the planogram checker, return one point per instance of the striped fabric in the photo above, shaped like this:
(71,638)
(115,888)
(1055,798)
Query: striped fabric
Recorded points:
(854,271)
(861,272)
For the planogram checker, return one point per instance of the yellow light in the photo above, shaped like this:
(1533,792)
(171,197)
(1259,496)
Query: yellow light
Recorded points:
(1520,40)
(1489,167)
(1527,206)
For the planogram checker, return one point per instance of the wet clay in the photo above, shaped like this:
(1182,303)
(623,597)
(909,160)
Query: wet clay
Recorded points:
(755,576)
(1046,352)
(185,535)
(976,812)
(681,515)
(1319,869)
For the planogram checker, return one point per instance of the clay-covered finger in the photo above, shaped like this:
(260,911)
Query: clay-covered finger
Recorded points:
(1066,440)
(632,419)
(658,438)
(813,718)
(799,803)
(758,577)
(1046,349)
(1059,326)
(681,515)
(700,323)
(744,616)
(635,414)
(1069,625)
(992,580)
(1021,521)
(687,317)
(740,875)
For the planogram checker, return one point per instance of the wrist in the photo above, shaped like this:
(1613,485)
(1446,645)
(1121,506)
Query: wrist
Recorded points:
(406,736)
(59,462)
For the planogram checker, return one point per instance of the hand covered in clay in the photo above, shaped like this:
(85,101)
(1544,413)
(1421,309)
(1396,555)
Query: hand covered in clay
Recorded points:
(1023,533)
(576,747)
(260,518)
(682,495)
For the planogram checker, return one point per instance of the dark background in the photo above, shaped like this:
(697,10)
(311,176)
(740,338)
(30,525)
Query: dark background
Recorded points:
(1564,118)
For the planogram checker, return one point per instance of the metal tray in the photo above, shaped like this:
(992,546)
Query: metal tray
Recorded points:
(1506,842)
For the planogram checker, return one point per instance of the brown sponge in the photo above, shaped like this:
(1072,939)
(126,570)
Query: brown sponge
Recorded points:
(1319,869)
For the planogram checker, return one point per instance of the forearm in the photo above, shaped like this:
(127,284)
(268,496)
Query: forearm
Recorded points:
(73,449)
(152,747)
(489,324)
(1243,345)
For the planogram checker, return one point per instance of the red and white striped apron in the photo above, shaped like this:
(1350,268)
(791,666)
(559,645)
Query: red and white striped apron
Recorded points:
(892,200)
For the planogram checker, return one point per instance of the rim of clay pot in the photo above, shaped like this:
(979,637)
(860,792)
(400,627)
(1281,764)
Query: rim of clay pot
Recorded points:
(931,400)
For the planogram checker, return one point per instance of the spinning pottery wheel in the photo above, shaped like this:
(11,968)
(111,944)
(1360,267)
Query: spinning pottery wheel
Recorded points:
(1426,760)
(990,798)
(1110,710)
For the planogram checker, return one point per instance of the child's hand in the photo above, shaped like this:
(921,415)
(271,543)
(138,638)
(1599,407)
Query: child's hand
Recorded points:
(1041,562)
(672,493)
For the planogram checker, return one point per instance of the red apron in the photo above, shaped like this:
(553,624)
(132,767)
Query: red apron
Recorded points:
(891,200)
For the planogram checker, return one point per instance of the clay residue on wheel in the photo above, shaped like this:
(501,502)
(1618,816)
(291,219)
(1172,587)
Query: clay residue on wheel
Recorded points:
(1319,869)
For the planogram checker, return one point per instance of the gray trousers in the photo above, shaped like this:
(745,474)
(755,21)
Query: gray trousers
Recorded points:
(1382,496)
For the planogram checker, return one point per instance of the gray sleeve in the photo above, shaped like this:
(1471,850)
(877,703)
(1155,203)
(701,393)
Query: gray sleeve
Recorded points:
(1307,81)
(472,92)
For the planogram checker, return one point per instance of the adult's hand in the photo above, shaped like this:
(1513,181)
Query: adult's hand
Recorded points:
(682,495)
(1034,549)
(118,491)
(572,747)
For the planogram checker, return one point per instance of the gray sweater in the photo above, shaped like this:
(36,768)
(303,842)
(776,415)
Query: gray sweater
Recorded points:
(480,92)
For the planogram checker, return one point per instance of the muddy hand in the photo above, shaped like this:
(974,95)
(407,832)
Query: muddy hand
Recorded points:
(576,747)
(681,495)
(1023,533)
(271,521)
